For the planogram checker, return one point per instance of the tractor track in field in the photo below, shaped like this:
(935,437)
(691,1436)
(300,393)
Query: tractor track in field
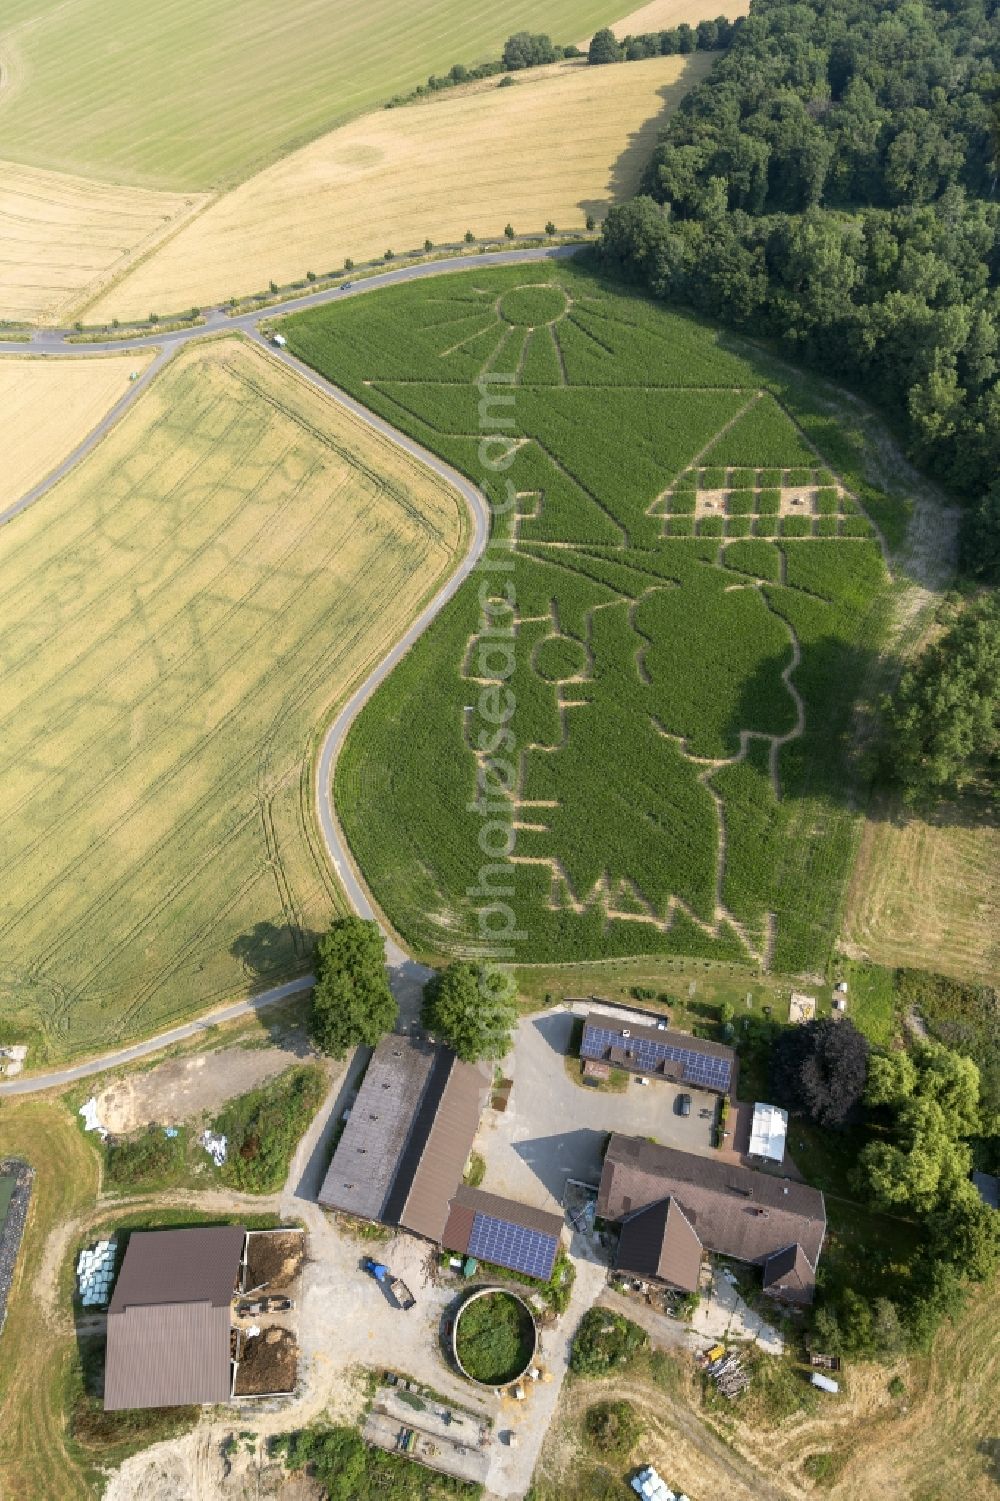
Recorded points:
(407,976)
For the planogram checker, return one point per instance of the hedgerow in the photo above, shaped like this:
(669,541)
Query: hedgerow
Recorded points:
(680,643)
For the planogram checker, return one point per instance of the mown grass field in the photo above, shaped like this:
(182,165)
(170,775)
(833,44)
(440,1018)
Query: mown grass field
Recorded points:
(564,142)
(681,731)
(926,892)
(50,406)
(191,93)
(63,237)
(182,613)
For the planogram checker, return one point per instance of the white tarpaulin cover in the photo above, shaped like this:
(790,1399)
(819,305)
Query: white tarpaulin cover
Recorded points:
(90,1121)
(768,1132)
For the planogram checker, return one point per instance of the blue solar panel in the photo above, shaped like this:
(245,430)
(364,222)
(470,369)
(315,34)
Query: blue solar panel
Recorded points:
(512,1246)
(645,1053)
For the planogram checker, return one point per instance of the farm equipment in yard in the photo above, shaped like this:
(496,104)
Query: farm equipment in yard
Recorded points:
(272,1304)
(400,1292)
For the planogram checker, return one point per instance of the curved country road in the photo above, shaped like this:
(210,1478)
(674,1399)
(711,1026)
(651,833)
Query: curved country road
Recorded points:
(407,977)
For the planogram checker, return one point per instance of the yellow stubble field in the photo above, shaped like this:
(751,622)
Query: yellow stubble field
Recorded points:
(563,142)
(62,237)
(49,406)
(660,15)
(182,613)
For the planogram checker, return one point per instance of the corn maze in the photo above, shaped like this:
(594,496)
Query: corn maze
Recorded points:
(181,614)
(700,595)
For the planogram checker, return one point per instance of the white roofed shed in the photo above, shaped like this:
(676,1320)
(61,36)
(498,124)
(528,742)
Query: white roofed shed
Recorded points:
(768,1132)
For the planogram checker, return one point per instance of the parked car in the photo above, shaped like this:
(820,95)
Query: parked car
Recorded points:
(683,1104)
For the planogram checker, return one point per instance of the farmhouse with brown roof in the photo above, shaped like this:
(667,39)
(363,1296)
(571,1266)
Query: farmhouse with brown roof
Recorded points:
(673,1206)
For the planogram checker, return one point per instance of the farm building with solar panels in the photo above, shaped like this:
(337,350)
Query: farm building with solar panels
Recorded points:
(657,1051)
(674,1206)
(503,1232)
(403,1152)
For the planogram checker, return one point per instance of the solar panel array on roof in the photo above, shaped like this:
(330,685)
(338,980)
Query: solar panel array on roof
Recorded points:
(505,1244)
(698,1068)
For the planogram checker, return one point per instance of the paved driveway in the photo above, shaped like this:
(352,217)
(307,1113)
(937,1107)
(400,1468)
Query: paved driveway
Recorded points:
(554,1128)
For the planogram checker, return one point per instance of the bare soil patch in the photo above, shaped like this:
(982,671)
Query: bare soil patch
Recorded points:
(660,15)
(274,1260)
(185,1087)
(269,1362)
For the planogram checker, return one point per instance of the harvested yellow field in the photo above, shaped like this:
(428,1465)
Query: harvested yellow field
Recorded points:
(62,238)
(182,613)
(49,406)
(564,142)
(660,15)
(928,894)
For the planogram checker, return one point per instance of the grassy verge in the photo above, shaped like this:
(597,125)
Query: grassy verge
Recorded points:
(350,1471)
(264,1127)
(38,1351)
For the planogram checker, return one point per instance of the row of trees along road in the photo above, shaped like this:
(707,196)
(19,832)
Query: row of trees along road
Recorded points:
(472,1008)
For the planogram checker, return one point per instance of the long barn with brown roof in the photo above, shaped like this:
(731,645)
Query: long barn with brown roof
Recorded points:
(672,1206)
(170,1317)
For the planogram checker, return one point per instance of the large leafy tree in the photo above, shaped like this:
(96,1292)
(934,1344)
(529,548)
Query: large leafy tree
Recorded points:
(351,1000)
(473,1008)
(819,1070)
(944,721)
(526,49)
(603,47)
(923,1166)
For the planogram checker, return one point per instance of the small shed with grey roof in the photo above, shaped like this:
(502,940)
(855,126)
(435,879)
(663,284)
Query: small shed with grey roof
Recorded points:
(989,1188)
(170,1317)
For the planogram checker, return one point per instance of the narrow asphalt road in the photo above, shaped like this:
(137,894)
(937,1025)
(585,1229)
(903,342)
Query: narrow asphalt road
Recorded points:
(406,976)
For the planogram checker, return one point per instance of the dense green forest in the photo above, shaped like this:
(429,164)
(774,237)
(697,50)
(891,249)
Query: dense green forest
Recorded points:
(833,186)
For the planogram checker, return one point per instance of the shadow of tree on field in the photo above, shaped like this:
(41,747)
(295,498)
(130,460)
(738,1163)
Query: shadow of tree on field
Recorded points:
(270,951)
(628,167)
